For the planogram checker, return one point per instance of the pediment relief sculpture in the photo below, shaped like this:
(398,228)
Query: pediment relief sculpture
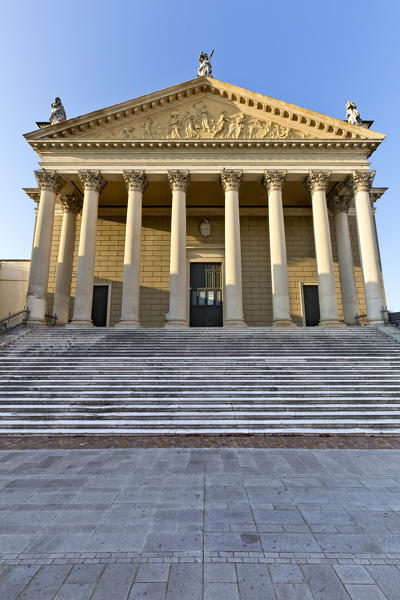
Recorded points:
(200,121)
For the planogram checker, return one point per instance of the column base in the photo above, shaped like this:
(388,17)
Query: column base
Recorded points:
(235,323)
(331,323)
(79,323)
(128,324)
(36,323)
(176,324)
(374,322)
(283,323)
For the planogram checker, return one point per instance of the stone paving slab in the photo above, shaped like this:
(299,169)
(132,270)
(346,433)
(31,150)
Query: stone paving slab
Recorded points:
(186,523)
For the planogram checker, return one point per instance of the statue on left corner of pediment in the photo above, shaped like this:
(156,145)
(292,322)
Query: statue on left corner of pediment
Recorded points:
(205,68)
(352,114)
(57,112)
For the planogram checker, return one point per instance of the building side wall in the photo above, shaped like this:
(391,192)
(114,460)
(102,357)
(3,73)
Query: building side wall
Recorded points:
(14,275)
(256,274)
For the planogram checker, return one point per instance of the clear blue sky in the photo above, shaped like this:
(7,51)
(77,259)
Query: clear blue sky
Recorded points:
(94,53)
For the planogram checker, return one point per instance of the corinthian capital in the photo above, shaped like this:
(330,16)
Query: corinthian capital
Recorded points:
(92,180)
(317,181)
(71,203)
(339,203)
(49,180)
(178,180)
(135,181)
(361,181)
(231,180)
(274,180)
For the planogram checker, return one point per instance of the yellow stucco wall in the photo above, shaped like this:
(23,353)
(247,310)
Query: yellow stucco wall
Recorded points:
(255,263)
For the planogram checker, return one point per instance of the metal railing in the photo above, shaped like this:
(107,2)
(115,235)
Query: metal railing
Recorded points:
(13,320)
(389,318)
(360,320)
(394,318)
(51,320)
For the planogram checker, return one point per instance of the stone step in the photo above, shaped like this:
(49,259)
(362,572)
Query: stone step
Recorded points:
(182,415)
(206,404)
(87,381)
(209,424)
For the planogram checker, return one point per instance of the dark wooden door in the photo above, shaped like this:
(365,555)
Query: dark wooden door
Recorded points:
(99,305)
(311,305)
(205,295)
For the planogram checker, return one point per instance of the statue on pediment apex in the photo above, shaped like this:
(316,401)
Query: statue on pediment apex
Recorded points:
(205,68)
(352,114)
(57,112)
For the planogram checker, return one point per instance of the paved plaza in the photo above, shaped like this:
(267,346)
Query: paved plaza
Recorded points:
(200,524)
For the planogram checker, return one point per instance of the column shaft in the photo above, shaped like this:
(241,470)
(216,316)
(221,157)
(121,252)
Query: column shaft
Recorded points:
(231,181)
(177,316)
(374,298)
(339,206)
(329,317)
(50,184)
(136,183)
(72,204)
(94,184)
(273,183)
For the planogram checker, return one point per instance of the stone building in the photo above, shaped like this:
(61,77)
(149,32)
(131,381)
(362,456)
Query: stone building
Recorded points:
(205,204)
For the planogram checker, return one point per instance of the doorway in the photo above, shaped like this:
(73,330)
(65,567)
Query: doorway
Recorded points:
(205,295)
(311,305)
(99,305)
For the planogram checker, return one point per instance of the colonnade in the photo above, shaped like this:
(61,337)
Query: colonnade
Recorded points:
(50,184)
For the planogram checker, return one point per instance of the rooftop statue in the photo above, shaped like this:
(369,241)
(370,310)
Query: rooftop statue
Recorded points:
(352,114)
(205,68)
(57,112)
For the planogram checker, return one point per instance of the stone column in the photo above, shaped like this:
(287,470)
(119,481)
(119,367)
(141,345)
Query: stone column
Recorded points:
(374,299)
(230,181)
(49,184)
(317,182)
(93,183)
(136,183)
(177,316)
(72,205)
(273,183)
(339,207)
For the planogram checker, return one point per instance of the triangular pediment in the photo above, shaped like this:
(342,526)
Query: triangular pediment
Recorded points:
(203,108)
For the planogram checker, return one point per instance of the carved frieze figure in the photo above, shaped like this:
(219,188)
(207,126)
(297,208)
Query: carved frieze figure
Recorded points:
(205,119)
(205,228)
(222,126)
(147,128)
(352,114)
(205,68)
(173,126)
(57,112)
(126,133)
(190,126)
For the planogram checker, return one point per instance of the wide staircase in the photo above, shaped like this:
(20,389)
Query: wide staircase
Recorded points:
(153,381)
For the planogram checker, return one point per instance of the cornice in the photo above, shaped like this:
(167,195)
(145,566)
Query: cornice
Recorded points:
(43,146)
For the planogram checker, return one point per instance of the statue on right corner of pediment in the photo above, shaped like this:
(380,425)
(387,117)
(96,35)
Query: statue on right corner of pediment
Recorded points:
(352,114)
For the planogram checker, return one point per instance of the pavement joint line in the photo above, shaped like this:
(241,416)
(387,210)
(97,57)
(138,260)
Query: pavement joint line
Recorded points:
(173,557)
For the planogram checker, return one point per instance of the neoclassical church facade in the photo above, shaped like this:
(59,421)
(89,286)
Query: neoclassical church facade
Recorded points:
(205,204)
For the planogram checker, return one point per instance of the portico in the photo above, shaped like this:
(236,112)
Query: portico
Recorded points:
(284,209)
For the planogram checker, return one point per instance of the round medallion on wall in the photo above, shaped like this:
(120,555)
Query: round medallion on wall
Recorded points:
(205,228)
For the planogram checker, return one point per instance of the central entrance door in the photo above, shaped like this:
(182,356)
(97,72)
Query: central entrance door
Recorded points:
(205,295)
